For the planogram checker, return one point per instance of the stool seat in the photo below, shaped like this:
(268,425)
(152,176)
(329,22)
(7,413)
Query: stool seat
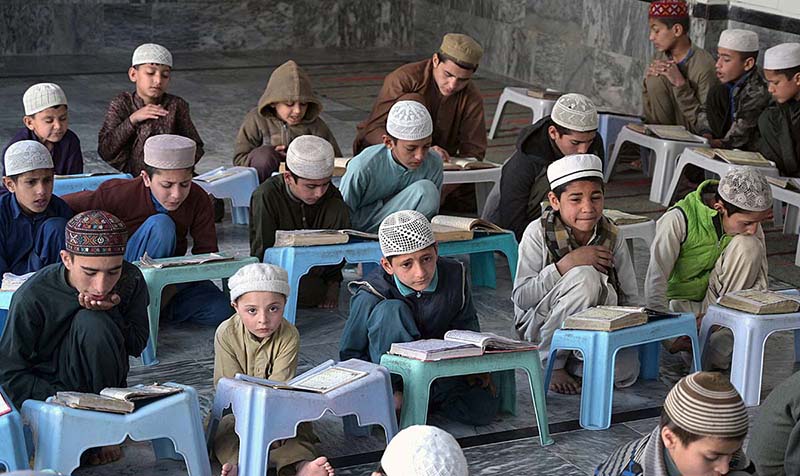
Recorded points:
(484,180)
(236,183)
(540,107)
(65,184)
(13,452)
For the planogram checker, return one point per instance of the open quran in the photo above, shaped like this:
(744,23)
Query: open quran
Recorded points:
(323,378)
(676,133)
(468,163)
(754,301)
(544,93)
(606,318)
(741,157)
(147,262)
(457,344)
(115,400)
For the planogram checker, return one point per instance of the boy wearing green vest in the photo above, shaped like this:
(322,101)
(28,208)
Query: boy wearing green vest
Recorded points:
(707,245)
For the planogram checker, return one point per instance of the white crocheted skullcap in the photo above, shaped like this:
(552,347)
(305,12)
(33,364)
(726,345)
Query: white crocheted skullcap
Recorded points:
(169,152)
(151,53)
(259,277)
(706,404)
(404,232)
(422,450)
(746,188)
(574,167)
(575,112)
(26,155)
(744,41)
(409,120)
(41,96)
(310,157)
(783,56)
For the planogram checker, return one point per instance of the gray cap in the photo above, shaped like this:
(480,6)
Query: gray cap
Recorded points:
(310,157)
(26,155)
(746,188)
(575,112)
(169,152)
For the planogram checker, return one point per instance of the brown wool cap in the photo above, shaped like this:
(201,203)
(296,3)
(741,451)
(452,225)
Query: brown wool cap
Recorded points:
(461,48)
(707,404)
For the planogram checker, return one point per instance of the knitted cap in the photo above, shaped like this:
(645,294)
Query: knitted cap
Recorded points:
(783,56)
(151,53)
(422,450)
(574,167)
(744,41)
(169,152)
(26,155)
(671,9)
(409,120)
(403,232)
(96,233)
(310,157)
(706,404)
(746,188)
(41,96)
(575,112)
(461,48)
(259,277)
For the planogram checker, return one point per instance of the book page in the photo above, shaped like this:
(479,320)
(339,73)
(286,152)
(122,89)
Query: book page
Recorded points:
(468,337)
(147,262)
(139,393)
(763,297)
(216,174)
(329,379)
(12,282)
(463,223)
(741,157)
(619,217)
(676,133)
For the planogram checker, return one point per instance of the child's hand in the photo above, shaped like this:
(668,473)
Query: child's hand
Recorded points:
(599,257)
(443,153)
(94,305)
(280,148)
(670,70)
(150,111)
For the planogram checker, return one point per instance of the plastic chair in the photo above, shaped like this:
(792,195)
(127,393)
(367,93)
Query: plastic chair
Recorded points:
(13,452)
(484,180)
(265,415)
(599,351)
(238,186)
(65,184)
(540,107)
(298,260)
(158,278)
(610,125)
(61,434)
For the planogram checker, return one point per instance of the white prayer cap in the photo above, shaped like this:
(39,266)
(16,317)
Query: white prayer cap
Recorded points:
(169,152)
(151,53)
(422,450)
(574,167)
(409,120)
(26,155)
(41,96)
(746,188)
(744,41)
(310,157)
(259,277)
(575,112)
(783,56)
(403,232)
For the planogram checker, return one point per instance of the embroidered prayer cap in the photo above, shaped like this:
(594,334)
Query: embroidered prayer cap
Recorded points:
(669,9)
(26,155)
(259,277)
(409,120)
(151,53)
(574,167)
(746,188)
(310,157)
(783,56)
(706,404)
(461,48)
(422,450)
(744,41)
(96,233)
(404,232)
(41,96)
(575,112)
(169,152)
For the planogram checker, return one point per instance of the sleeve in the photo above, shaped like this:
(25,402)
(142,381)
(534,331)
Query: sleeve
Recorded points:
(664,252)
(115,133)
(75,157)
(85,200)
(263,224)
(136,324)
(745,125)
(225,362)
(626,273)
(284,367)
(438,173)
(203,230)
(472,128)
(396,85)
(775,141)
(354,342)
(354,183)
(535,278)
(4,266)
(248,138)
(186,127)
(689,100)
(467,317)
(516,186)
(703,126)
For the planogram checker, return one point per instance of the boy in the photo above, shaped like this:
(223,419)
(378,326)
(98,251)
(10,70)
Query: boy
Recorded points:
(302,198)
(417,295)
(709,244)
(779,125)
(422,450)
(259,342)
(729,117)
(400,174)
(678,79)
(159,208)
(287,109)
(703,425)
(572,258)
(570,129)
(774,445)
(134,117)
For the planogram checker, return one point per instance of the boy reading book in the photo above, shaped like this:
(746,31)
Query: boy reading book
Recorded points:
(571,259)
(774,444)
(417,295)
(779,124)
(258,341)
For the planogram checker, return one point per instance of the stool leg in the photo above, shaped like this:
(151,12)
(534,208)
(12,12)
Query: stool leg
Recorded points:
(598,387)
(797,345)
(659,177)
(240,215)
(165,449)
(498,114)
(253,446)
(534,371)
(482,269)
(511,250)
(351,428)
(416,395)
(153,315)
(748,355)
(648,357)
(290,310)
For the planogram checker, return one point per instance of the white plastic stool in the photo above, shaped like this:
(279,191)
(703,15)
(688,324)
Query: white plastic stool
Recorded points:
(645,231)
(238,186)
(792,199)
(540,107)
(610,125)
(484,180)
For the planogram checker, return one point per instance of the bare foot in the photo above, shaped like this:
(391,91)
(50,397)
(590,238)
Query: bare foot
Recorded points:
(398,400)
(229,469)
(562,382)
(331,300)
(103,455)
(318,467)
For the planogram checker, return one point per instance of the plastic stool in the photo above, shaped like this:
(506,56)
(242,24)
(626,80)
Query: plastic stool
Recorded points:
(610,125)
(61,434)
(484,180)
(65,184)
(599,351)
(238,186)
(540,107)
(645,231)
(158,278)
(265,415)
(13,453)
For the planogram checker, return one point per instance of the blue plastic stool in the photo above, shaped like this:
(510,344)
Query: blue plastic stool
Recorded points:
(61,434)
(265,414)
(80,182)
(609,127)
(599,351)
(13,452)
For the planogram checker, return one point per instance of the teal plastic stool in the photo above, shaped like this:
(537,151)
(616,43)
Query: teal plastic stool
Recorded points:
(79,182)
(418,377)
(13,452)
(158,278)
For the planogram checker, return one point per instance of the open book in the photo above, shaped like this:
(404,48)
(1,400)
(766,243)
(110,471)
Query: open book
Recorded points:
(147,262)
(83,175)
(323,378)
(457,344)
(12,282)
(754,301)
(789,183)
(217,174)
(676,133)
(318,237)
(115,400)
(606,318)
(544,93)
(619,217)
(453,228)
(741,157)
(468,163)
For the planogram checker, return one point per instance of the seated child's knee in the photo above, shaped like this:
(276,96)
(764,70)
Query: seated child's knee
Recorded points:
(93,328)
(656,85)
(747,245)
(429,197)
(588,277)
(161,222)
(388,310)
(54,226)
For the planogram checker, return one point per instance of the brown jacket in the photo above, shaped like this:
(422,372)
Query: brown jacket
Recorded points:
(261,126)
(459,126)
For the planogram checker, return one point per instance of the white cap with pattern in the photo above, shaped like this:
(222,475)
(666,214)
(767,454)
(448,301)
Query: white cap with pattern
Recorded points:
(575,112)
(151,53)
(783,56)
(744,41)
(41,96)
(403,232)
(574,167)
(310,157)
(409,120)
(259,277)
(422,450)
(169,152)
(26,155)
(746,188)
